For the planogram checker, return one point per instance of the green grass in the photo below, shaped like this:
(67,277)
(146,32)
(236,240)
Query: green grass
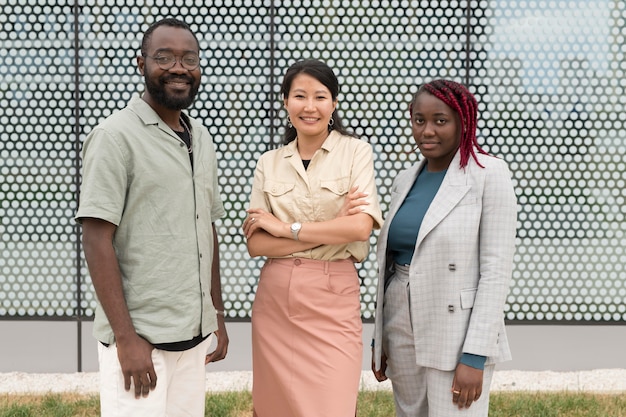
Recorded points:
(371,404)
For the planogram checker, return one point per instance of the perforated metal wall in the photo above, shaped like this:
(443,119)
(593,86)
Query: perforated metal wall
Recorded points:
(549,76)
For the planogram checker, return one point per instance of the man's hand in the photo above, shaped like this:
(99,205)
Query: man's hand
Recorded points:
(222,343)
(135,356)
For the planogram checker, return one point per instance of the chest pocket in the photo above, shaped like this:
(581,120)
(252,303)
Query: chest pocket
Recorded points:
(339,186)
(276,189)
(332,192)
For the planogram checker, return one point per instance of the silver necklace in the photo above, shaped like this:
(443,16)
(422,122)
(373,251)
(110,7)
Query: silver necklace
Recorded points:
(190,146)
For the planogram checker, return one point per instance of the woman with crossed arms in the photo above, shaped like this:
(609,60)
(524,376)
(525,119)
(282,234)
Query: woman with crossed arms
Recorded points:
(312,209)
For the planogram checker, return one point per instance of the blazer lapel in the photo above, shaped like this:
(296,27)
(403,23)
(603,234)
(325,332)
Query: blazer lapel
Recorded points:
(452,190)
(402,190)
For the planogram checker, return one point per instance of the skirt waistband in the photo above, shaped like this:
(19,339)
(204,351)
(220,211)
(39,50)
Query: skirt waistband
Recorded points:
(326,266)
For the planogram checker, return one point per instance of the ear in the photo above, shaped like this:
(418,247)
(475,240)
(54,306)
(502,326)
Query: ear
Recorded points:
(141,62)
(285,102)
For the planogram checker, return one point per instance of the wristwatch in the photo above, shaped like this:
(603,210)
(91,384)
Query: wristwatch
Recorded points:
(295,229)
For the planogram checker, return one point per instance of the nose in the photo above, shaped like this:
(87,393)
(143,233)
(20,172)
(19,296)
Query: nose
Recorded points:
(308,105)
(429,129)
(178,66)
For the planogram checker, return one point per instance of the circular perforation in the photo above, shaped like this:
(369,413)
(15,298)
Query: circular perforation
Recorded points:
(548,76)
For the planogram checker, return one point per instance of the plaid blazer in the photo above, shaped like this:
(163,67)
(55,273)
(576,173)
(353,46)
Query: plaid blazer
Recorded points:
(462,265)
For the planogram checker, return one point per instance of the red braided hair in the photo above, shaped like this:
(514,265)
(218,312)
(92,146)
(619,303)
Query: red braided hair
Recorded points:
(459,99)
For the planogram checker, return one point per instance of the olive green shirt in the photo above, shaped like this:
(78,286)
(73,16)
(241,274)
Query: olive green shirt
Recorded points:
(137,175)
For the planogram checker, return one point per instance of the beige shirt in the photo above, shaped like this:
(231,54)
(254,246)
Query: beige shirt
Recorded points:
(284,188)
(137,175)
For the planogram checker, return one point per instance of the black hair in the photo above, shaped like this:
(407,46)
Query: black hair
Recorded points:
(169,21)
(325,75)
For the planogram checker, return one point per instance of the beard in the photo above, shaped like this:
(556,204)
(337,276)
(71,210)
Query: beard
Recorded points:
(158,93)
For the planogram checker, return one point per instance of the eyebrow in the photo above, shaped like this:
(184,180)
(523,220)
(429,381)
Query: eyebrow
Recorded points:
(186,51)
(417,113)
(315,92)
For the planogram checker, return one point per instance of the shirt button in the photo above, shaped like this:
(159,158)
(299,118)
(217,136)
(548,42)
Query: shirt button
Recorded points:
(181,144)
(200,256)
(297,262)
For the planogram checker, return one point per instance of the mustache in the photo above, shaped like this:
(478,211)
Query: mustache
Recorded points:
(185,78)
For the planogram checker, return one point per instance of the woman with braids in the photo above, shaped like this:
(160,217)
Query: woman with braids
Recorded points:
(445,257)
(312,209)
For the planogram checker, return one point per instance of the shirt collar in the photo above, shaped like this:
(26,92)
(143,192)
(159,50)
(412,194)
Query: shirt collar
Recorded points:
(147,114)
(331,141)
(144,111)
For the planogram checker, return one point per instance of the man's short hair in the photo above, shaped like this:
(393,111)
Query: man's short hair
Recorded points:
(171,22)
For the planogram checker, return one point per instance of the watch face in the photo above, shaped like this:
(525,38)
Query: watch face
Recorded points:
(295,229)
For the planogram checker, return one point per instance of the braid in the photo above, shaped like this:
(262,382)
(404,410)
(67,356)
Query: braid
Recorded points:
(459,98)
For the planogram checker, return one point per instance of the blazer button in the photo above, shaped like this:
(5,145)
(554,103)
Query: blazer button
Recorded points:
(450,308)
(452,267)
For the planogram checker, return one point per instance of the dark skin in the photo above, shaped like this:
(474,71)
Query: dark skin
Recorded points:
(437,131)
(178,41)
(134,352)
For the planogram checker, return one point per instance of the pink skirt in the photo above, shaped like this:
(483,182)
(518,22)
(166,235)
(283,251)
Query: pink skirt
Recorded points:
(306,339)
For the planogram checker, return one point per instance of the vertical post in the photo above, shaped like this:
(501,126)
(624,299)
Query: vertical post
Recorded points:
(78,313)
(272,112)
(468,44)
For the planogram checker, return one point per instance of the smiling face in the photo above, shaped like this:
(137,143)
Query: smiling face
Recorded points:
(310,106)
(436,130)
(176,88)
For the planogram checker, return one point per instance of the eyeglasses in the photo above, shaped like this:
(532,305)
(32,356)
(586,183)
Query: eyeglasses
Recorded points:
(166,60)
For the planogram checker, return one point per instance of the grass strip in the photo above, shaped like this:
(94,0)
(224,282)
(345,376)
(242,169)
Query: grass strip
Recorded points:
(370,404)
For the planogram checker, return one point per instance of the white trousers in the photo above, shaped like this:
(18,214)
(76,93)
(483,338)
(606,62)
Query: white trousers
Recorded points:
(419,391)
(180,389)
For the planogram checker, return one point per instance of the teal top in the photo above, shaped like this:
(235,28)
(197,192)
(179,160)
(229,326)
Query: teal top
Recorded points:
(406,223)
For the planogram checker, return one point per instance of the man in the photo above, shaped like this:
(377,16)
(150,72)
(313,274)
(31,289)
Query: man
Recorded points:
(149,199)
